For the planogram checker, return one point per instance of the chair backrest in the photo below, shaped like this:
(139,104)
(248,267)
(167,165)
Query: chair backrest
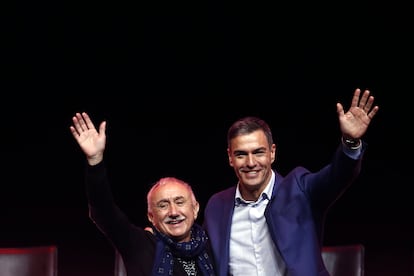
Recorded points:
(119,265)
(29,261)
(344,260)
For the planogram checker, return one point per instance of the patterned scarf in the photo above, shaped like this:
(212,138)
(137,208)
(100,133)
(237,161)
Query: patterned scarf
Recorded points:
(167,249)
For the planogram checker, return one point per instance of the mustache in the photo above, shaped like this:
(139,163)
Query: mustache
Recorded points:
(174,219)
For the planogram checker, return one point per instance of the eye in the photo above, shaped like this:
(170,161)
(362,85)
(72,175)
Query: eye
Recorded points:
(260,153)
(239,154)
(180,201)
(162,205)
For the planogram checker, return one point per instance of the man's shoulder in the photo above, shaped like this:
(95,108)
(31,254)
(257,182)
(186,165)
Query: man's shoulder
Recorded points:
(230,191)
(223,196)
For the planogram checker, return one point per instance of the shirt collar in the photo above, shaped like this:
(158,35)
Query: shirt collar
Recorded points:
(266,194)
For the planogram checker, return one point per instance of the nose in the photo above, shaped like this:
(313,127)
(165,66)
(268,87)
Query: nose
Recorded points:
(251,161)
(173,210)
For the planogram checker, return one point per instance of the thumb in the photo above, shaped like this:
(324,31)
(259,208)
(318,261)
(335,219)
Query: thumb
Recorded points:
(102,127)
(340,109)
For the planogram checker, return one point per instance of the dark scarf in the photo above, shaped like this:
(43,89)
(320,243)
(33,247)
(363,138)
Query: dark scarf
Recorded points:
(167,249)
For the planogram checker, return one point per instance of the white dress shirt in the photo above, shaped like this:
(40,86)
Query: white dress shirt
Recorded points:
(252,250)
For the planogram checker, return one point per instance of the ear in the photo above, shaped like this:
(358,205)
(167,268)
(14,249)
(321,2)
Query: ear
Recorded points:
(196,209)
(150,217)
(229,156)
(273,153)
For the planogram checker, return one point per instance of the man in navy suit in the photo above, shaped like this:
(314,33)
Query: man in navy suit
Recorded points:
(269,224)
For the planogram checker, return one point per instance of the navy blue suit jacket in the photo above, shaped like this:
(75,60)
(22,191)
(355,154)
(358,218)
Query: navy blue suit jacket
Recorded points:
(295,214)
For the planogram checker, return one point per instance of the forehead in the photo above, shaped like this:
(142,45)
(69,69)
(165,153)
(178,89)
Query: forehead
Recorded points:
(170,190)
(251,141)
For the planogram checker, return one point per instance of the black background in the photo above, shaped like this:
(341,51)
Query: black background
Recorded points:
(170,78)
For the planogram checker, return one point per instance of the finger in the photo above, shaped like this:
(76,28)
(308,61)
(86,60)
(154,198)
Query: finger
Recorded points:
(364,99)
(74,132)
(339,109)
(369,104)
(355,98)
(374,111)
(102,127)
(88,121)
(81,122)
(76,122)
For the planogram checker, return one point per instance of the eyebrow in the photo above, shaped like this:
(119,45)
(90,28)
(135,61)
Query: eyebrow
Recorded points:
(168,200)
(255,150)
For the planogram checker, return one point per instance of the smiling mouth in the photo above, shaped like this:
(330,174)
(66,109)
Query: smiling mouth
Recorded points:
(251,174)
(175,221)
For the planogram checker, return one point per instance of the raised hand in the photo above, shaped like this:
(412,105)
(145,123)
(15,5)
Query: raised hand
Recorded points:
(91,141)
(354,123)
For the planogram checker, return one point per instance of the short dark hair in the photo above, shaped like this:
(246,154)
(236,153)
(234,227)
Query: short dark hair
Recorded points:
(248,125)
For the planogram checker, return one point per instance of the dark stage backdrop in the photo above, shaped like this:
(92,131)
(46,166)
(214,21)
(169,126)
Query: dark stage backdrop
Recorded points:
(170,80)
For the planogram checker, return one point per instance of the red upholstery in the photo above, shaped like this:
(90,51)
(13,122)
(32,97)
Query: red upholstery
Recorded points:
(344,260)
(29,261)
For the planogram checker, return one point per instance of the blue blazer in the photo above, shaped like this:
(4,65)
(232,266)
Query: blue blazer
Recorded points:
(295,214)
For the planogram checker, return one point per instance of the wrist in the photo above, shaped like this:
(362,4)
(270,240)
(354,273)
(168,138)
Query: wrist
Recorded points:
(351,143)
(95,159)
